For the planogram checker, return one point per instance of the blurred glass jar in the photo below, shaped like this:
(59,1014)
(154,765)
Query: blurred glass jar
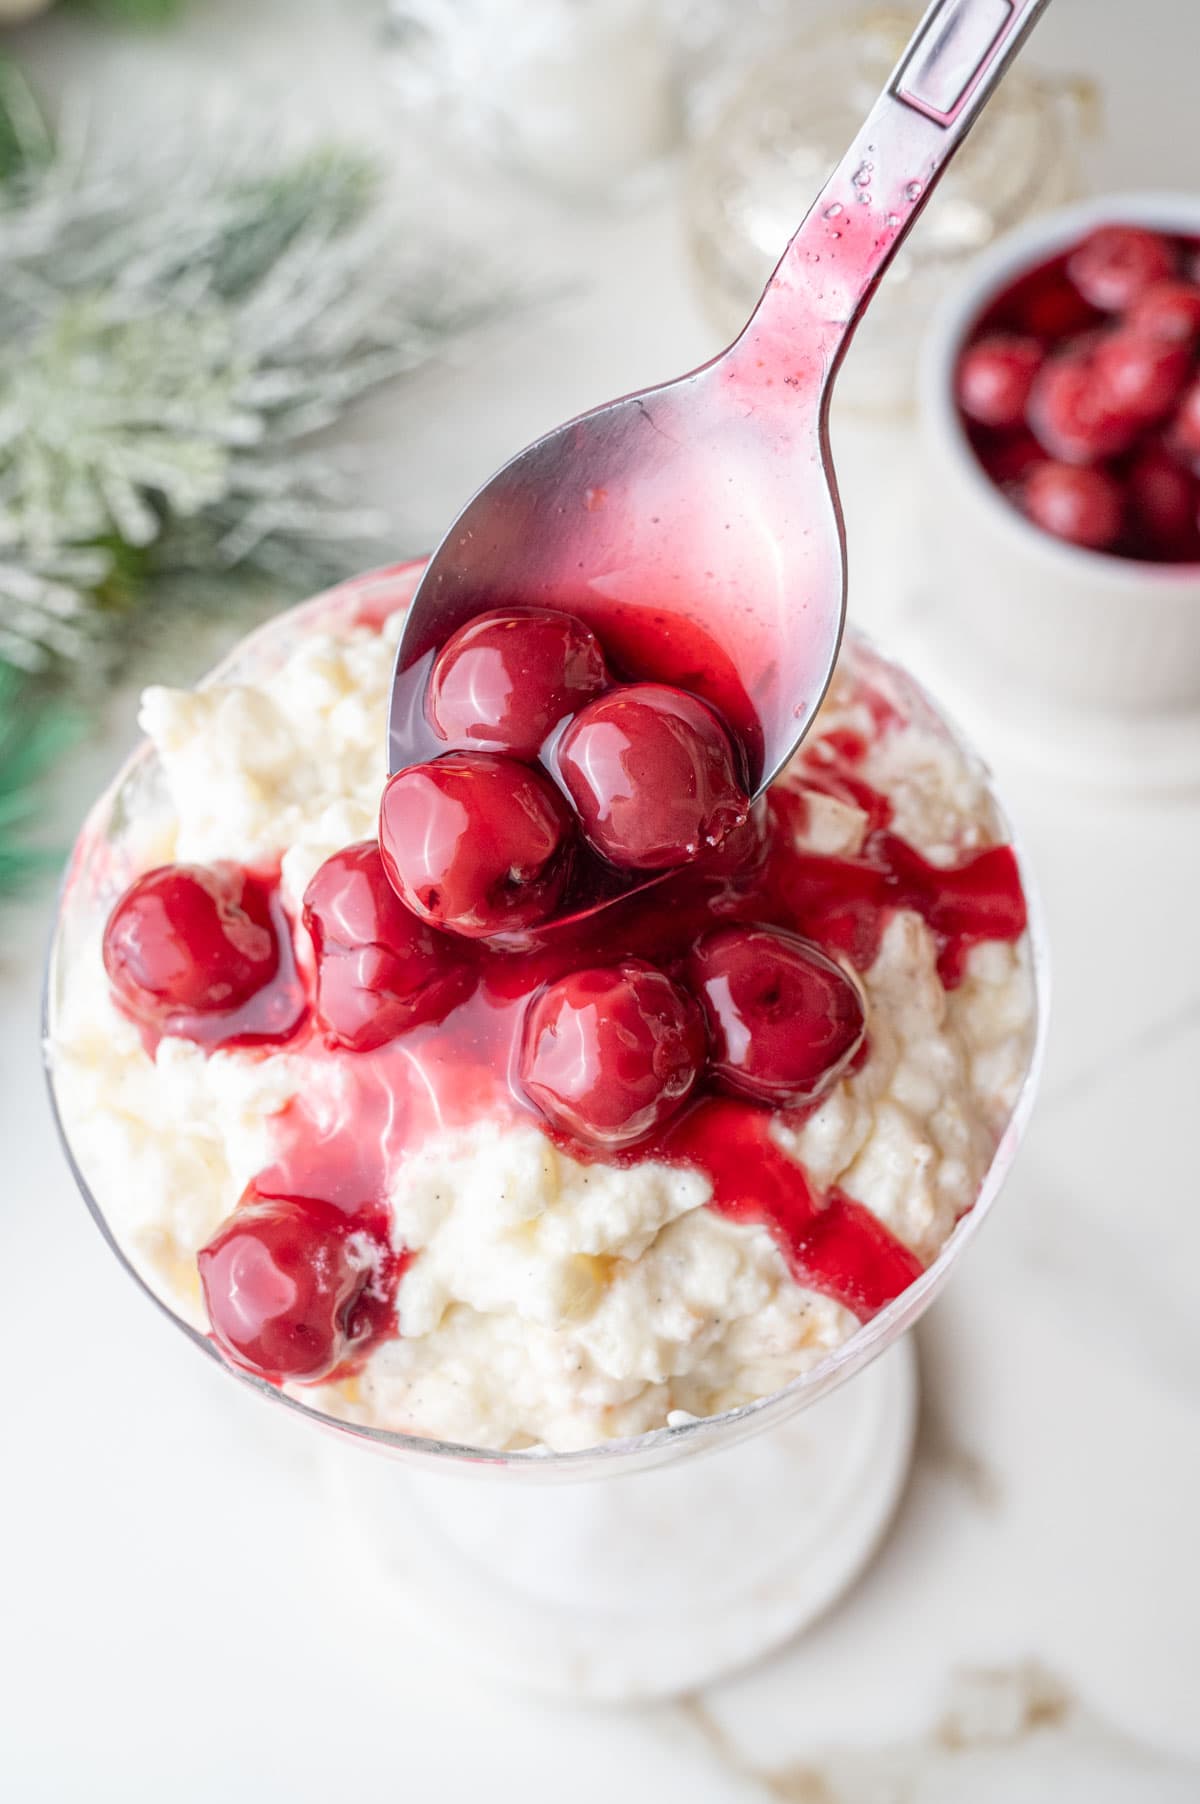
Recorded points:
(578,96)
(766,154)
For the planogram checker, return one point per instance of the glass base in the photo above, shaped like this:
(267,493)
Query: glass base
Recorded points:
(649,1584)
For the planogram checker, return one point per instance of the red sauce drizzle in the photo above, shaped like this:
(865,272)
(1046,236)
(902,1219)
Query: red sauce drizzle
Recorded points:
(845,903)
(832,1243)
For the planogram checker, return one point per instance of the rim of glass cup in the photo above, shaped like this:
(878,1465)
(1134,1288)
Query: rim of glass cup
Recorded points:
(695,1434)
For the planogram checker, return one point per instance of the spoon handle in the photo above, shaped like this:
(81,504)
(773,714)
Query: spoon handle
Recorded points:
(953,62)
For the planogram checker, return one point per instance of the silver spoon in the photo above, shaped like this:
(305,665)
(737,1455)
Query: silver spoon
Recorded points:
(696,526)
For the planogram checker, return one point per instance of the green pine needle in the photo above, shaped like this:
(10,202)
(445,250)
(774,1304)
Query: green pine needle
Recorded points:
(132,12)
(323,191)
(177,325)
(36,726)
(26,141)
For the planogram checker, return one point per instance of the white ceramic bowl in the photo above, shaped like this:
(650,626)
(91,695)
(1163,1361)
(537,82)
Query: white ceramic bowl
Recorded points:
(1102,632)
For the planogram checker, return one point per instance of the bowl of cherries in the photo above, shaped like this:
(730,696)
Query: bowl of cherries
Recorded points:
(1060,412)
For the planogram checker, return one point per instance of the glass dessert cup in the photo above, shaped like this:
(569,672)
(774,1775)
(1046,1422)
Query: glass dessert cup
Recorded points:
(544,1573)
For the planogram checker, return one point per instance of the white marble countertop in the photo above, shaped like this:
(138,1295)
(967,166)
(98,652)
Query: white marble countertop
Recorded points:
(173,1622)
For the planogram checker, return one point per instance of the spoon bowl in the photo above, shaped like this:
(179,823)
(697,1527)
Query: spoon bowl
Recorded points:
(695,527)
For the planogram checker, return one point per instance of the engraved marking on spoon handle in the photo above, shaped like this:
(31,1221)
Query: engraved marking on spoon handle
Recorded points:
(960,51)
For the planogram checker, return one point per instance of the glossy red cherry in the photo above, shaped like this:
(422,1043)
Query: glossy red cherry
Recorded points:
(380,971)
(995,376)
(190,939)
(651,772)
(1072,417)
(609,1055)
(294,1287)
(784,1020)
(1139,377)
(506,679)
(1080,505)
(1116,264)
(1046,305)
(475,843)
(1185,427)
(1168,310)
(1162,498)
(1009,462)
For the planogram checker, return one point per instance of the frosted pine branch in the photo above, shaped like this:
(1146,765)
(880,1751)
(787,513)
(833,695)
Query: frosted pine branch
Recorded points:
(173,327)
